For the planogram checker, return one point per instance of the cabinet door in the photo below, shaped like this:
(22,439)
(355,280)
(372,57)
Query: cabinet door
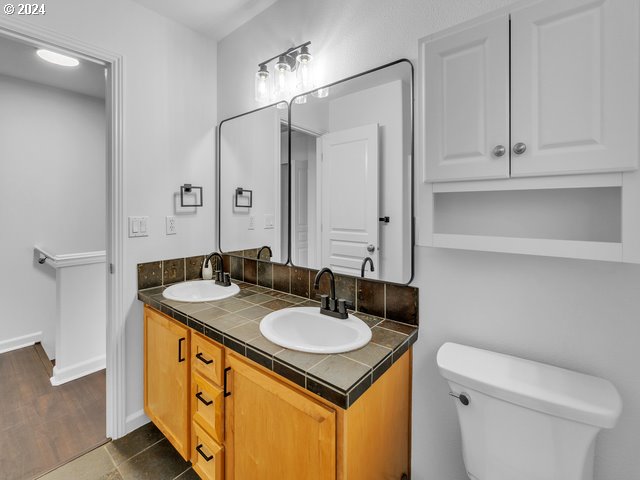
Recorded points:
(574,86)
(465,103)
(274,432)
(166,377)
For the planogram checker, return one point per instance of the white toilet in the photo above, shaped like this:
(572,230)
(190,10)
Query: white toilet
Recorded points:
(526,420)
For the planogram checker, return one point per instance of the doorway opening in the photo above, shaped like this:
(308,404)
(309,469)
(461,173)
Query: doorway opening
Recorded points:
(74,210)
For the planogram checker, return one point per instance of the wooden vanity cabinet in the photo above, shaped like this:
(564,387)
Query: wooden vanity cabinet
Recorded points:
(166,378)
(268,427)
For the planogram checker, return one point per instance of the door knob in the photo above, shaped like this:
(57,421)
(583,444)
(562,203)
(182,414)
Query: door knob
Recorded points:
(371,248)
(519,148)
(499,150)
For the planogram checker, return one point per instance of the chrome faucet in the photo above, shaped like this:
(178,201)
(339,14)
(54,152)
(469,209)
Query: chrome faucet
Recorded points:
(364,264)
(329,305)
(220,276)
(268,249)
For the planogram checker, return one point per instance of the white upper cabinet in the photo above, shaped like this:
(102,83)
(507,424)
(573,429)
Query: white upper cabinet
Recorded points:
(466,98)
(573,89)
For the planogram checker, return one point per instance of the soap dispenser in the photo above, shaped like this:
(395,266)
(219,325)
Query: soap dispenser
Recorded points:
(207,270)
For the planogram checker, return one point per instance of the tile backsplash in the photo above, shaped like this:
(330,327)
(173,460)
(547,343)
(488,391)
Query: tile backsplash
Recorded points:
(382,299)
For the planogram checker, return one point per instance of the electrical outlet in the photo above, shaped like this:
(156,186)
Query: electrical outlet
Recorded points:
(171,225)
(252,222)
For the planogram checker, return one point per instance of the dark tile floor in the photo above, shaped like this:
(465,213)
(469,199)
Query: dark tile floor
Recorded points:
(143,454)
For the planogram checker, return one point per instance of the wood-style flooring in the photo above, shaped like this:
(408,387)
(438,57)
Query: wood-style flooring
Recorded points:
(41,426)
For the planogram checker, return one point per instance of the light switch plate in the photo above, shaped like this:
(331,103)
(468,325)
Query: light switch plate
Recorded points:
(268,221)
(138,227)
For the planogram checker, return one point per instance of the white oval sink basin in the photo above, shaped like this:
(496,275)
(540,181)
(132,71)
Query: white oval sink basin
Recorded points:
(305,329)
(199,291)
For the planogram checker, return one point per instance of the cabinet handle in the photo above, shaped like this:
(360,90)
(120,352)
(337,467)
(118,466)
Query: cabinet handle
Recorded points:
(200,357)
(226,370)
(499,150)
(206,402)
(204,455)
(180,357)
(519,148)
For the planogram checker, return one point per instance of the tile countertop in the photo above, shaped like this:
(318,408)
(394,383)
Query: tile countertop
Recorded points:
(235,323)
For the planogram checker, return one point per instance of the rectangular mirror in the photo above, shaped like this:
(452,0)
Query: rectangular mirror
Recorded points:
(253,184)
(352,174)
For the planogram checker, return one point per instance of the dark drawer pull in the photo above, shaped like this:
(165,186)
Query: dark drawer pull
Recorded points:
(200,357)
(204,455)
(180,357)
(206,402)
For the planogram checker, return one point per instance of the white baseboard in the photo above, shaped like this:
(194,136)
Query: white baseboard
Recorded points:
(64,375)
(135,420)
(20,342)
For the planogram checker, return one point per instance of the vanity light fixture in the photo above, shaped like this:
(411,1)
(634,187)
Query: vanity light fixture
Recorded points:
(284,83)
(57,58)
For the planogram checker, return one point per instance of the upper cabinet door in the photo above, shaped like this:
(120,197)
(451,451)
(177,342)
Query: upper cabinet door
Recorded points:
(574,87)
(465,103)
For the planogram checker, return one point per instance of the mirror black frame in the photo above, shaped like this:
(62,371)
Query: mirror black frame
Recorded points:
(219,169)
(412,152)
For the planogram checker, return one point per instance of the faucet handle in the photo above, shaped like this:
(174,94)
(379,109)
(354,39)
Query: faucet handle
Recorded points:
(324,302)
(227,279)
(333,304)
(342,305)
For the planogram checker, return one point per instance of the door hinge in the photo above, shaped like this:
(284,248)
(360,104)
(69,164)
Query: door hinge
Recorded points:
(111,269)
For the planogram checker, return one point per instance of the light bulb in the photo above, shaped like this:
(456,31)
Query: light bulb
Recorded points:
(305,70)
(281,79)
(262,85)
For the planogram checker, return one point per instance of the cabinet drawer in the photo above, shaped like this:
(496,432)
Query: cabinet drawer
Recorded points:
(207,457)
(207,406)
(207,358)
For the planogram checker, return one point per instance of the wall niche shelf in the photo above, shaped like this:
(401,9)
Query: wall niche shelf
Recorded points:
(586,217)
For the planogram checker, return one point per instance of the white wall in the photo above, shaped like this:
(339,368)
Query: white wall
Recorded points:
(251,159)
(52,192)
(169,138)
(576,314)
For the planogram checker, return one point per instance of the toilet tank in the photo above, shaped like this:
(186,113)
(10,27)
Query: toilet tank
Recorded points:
(526,420)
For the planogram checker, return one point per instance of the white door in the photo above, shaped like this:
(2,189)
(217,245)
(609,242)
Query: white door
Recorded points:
(574,84)
(465,97)
(300,213)
(349,186)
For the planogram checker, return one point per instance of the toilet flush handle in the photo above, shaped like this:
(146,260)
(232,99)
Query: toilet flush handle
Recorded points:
(463,397)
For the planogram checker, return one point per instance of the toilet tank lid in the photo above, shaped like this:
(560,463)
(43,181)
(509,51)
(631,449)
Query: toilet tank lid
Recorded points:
(538,386)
